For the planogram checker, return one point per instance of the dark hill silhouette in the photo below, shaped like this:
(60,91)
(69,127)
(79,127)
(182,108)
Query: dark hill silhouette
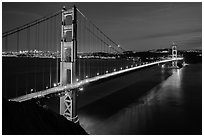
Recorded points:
(27,118)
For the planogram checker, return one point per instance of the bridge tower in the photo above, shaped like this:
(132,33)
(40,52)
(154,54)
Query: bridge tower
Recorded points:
(68,63)
(174,54)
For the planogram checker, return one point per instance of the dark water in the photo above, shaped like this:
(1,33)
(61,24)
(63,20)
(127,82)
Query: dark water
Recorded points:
(149,101)
(146,101)
(26,75)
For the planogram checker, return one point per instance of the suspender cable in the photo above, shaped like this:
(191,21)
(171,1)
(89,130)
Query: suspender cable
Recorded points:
(17,49)
(30,24)
(84,36)
(56,45)
(6,43)
(44,46)
(27,67)
(79,49)
(17,73)
(36,43)
(50,59)
(88,41)
(100,56)
(115,44)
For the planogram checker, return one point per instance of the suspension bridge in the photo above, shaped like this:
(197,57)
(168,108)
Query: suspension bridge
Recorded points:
(58,55)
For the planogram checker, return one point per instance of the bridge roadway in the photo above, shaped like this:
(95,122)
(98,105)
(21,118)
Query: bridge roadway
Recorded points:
(60,89)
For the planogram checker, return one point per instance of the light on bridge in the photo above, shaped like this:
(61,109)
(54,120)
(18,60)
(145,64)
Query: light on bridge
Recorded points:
(46,87)
(54,84)
(114,69)
(131,65)
(106,71)
(121,68)
(97,74)
(81,89)
(77,79)
(86,76)
(126,66)
(31,90)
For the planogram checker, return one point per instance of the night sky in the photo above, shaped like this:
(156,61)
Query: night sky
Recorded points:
(135,26)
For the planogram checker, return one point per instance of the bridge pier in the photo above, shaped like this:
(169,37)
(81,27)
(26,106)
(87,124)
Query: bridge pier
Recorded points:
(68,105)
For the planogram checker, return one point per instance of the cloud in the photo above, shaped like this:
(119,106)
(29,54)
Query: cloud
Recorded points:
(171,33)
(195,42)
(21,13)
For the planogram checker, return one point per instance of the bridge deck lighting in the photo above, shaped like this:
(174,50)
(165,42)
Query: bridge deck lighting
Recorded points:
(121,68)
(54,84)
(77,79)
(131,65)
(106,71)
(46,87)
(31,90)
(97,74)
(81,89)
(126,66)
(114,69)
(86,76)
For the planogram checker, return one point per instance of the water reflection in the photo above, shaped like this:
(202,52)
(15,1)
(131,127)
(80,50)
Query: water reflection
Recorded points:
(161,111)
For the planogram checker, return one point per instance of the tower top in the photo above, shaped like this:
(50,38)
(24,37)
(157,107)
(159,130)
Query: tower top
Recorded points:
(173,43)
